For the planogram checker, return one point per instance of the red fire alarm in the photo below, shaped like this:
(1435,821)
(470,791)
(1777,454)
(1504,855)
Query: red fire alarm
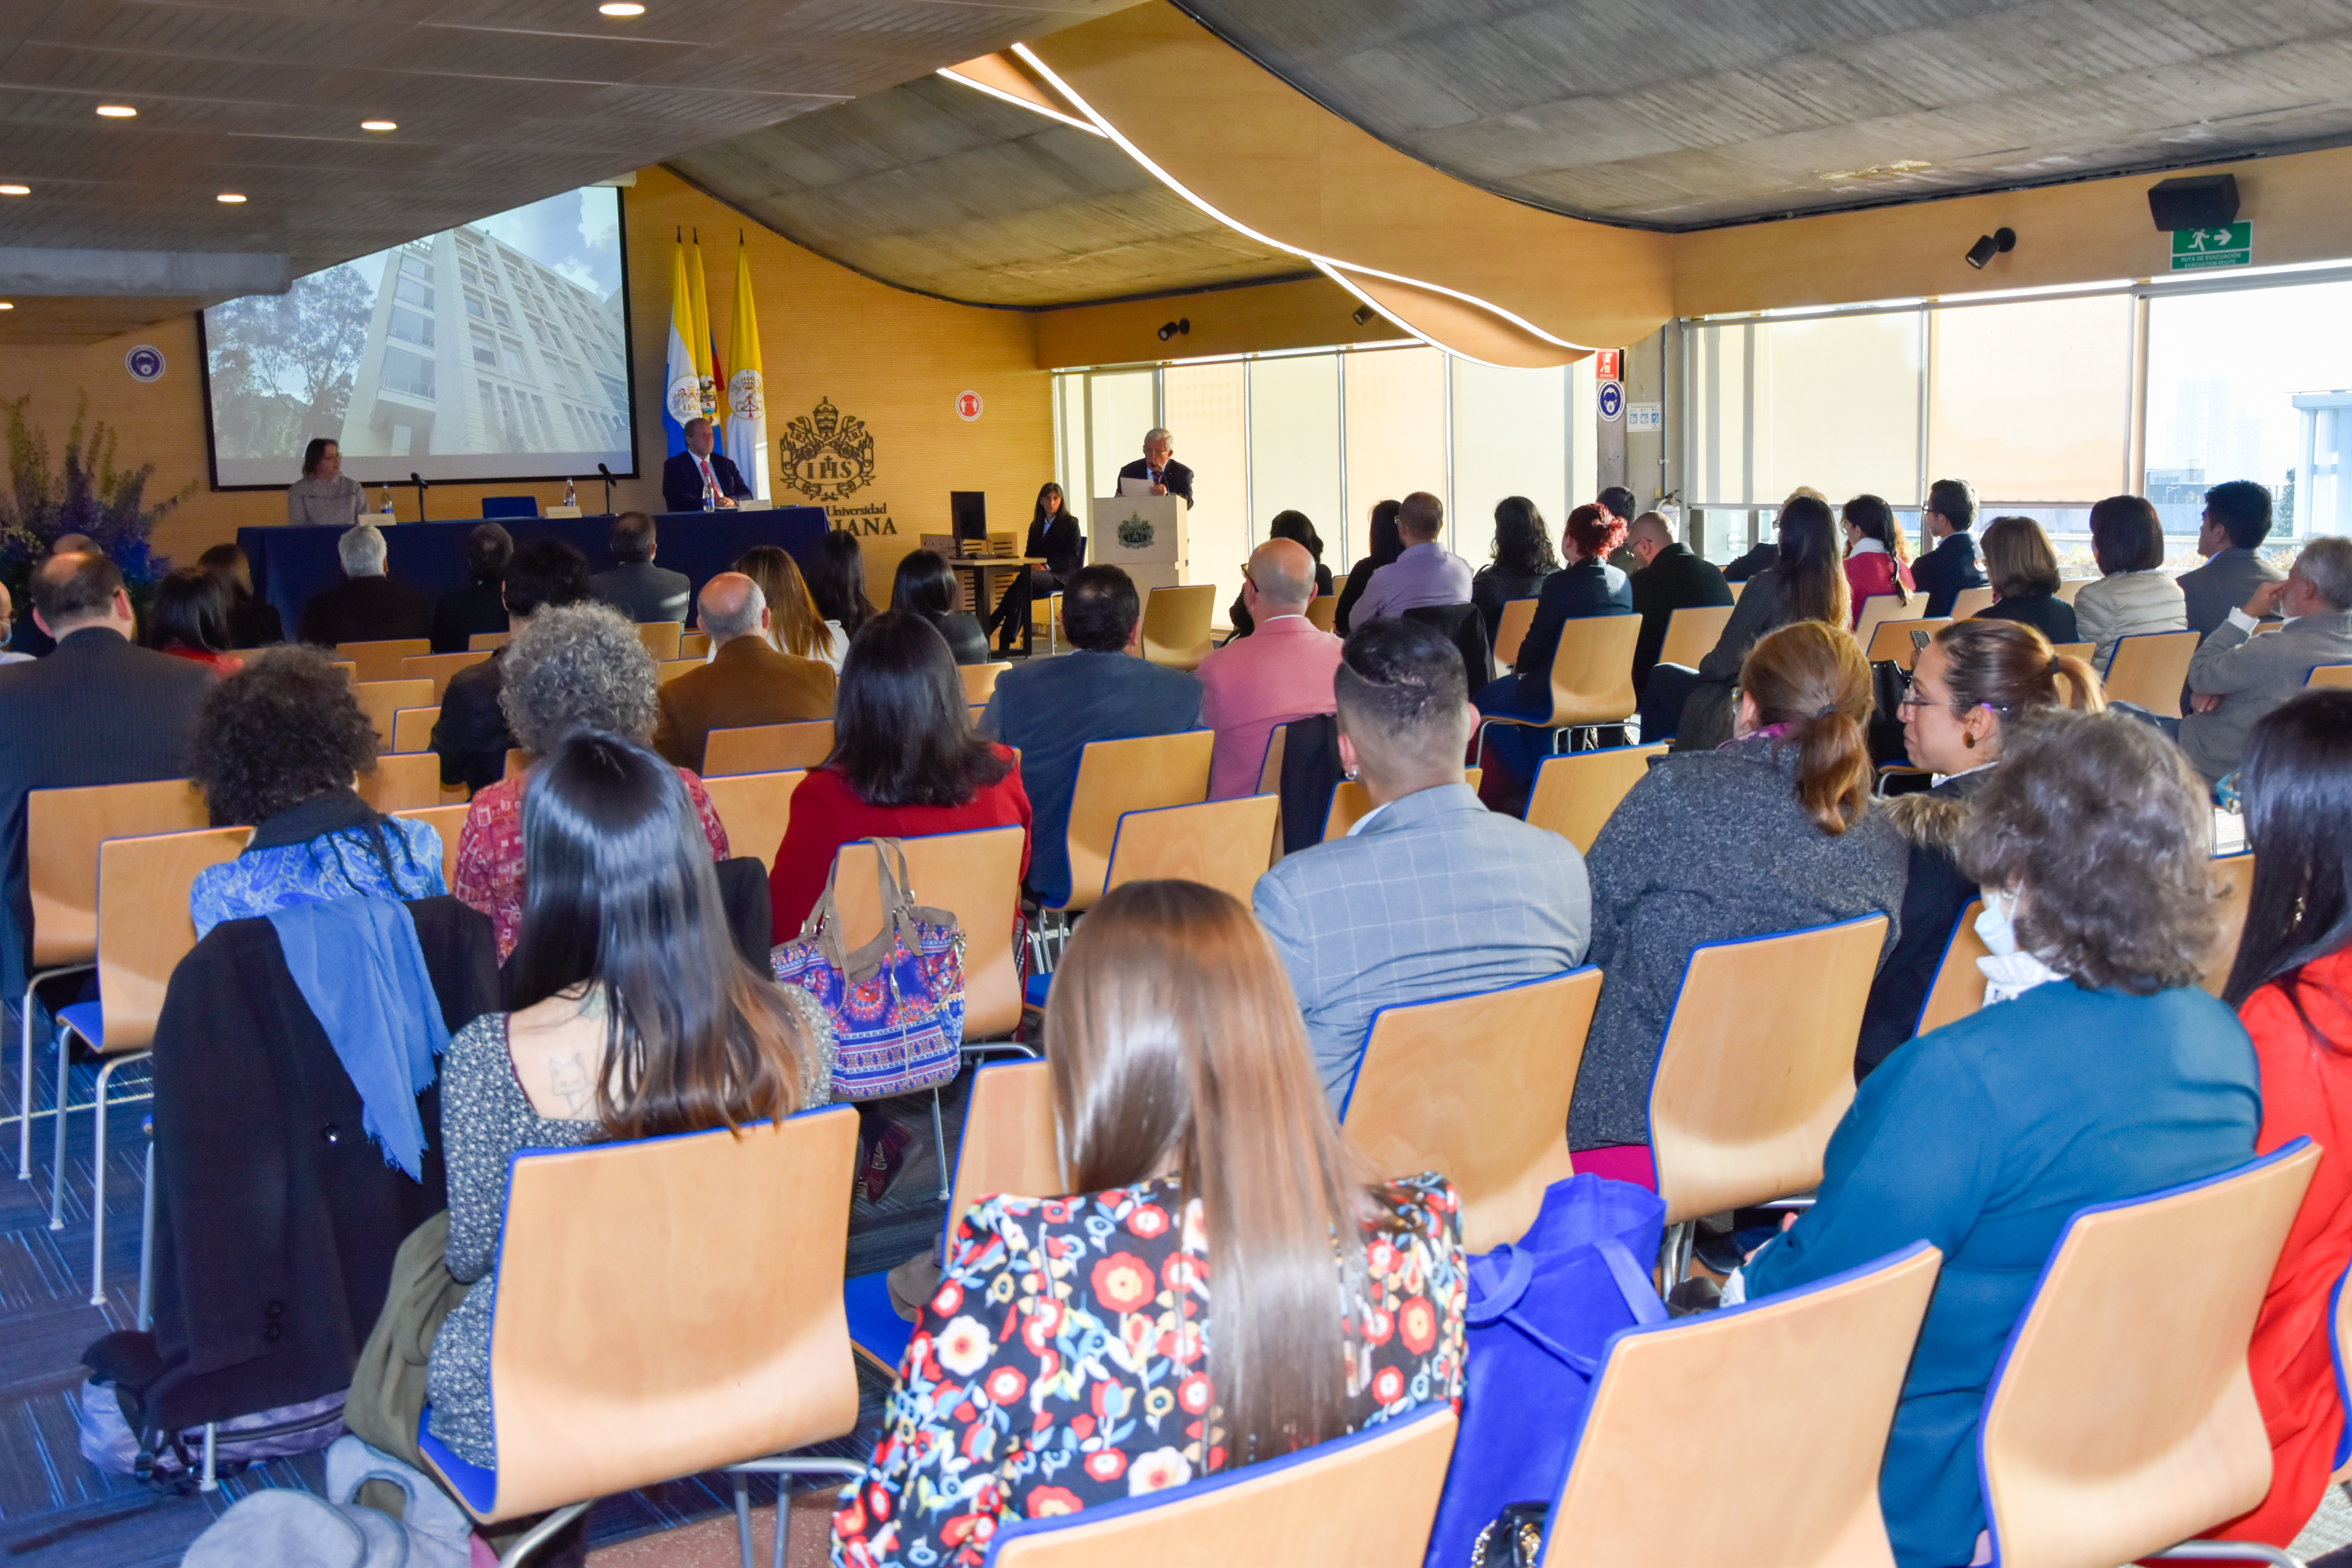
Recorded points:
(1607,363)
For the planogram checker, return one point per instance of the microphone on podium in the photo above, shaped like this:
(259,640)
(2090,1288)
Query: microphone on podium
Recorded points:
(607,474)
(418,480)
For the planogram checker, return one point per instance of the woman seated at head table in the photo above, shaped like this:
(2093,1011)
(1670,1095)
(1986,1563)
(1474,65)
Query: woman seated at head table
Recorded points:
(1774,832)
(275,748)
(189,619)
(571,667)
(623,912)
(1166,987)
(1969,686)
(2095,1071)
(794,627)
(2291,984)
(323,497)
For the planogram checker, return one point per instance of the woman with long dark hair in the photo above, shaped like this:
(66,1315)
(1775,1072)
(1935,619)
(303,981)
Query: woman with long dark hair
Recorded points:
(925,586)
(1806,583)
(1877,561)
(1522,559)
(253,622)
(634,1016)
(190,619)
(1297,527)
(1271,1292)
(1054,538)
(1587,587)
(906,764)
(837,580)
(1384,544)
(2291,984)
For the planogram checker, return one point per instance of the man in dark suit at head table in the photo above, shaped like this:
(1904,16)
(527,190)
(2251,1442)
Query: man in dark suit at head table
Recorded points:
(701,479)
(637,587)
(1159,467)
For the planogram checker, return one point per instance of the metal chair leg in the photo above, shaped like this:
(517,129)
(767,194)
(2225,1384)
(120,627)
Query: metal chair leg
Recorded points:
(25,1068)
(940,1142)
(779,1467)
(98,1181)
(147,1243)
(539,1534)
(209,1482)
(744,1518)
(58,1157)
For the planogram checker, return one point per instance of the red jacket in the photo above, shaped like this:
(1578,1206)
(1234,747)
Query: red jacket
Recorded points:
(2307,1081)
(826,815)
(1873,571)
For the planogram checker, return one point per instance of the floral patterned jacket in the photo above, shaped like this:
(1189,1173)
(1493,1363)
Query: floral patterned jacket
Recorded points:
(1063,1363)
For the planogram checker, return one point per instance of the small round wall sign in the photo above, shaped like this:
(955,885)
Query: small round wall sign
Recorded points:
(144,363)
(967,405)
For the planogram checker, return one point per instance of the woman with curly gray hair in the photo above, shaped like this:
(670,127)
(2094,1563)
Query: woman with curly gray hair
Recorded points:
(573,668)
(276,748)
(2096,1071)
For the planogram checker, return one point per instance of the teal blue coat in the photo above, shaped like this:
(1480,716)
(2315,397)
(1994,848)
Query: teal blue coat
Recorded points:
(1985,1137)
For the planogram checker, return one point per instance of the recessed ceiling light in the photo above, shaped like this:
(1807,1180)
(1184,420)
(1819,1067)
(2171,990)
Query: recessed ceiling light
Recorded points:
(7,305)
(117,110)
(231,197)
(378,125)
(15,189)
(621,8)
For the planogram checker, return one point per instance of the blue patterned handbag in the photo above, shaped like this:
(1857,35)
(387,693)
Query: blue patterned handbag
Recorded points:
(896,1003)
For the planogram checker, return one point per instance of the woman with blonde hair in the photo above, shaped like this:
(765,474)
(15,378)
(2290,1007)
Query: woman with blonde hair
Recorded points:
(2022,566)
(1075,1353)
(1773,831)
(794,627)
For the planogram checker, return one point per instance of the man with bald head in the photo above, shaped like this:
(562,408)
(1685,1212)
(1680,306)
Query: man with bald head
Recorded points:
(1279,672)
(747,681)
(1426,574)
(1670,578)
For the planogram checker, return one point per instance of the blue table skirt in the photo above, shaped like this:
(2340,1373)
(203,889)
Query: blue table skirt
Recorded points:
(289,565)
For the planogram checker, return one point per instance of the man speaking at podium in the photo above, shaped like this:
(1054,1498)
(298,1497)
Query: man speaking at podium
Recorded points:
(699,479)
(1158,468)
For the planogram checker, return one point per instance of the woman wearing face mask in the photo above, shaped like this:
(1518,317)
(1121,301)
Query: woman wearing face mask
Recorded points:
(1971,683)
(2098,1073)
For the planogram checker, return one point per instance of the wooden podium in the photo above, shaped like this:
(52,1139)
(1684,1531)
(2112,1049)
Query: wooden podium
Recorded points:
(1143,535)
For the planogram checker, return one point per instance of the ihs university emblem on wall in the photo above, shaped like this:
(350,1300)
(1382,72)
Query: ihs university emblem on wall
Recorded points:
(824,456)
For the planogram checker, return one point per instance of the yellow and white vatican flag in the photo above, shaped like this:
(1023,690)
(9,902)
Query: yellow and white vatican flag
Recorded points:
(681,389)
(701,344)
(747,392)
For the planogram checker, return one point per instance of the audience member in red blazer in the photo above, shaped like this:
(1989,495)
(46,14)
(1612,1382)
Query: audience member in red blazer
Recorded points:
(1877,560)
(906,764)
(1282,671)
(2292,987)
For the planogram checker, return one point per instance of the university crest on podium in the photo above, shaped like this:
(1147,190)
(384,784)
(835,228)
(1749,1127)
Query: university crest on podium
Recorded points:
(824,456)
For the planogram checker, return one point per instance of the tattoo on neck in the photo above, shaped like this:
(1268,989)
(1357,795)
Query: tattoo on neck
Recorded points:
(569,1079)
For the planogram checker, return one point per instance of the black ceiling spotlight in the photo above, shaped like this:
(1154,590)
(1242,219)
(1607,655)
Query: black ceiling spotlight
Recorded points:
(2000,242)
(1363,315)
(1174,329)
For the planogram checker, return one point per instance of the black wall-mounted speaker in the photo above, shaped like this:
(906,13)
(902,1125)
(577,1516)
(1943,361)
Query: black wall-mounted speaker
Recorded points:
(2203,201)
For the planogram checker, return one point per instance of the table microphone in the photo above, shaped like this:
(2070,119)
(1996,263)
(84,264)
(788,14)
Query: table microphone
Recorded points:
(608,486)
(418,480)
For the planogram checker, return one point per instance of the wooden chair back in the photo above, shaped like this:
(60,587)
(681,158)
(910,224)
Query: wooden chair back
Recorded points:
(1969,603)
(1960,986)
(693,644)
(1511,630)
(1269,781)
(661,638)
(1323,612)
(438,667)
(350,671)
(2332,677)
(2122,1420)
(1692,633)
(1477,1086)
(1735,590)
(1313,1506)
(2081,650)
(645,1332)
(1116,777)
(2150,669)
(1221,844)
(2069,586)
(380,660)
(2339,1345)
(755,809)
(979,679)
(977,876)
(1892,640)
(669,670)
(381,700)
(63,830)
(1352,802)
(1008,1144)
(483,642)
(403,780)
(1757,1064)
(768,748)
(1176,624)
(143,925)
(1807,1381)
(1576,791)
(412,729)
(2234,890)
(449,822)
(1593,672)
(1880,608)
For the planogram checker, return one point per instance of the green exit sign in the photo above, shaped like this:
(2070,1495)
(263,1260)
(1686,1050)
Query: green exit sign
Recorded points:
(2196,247)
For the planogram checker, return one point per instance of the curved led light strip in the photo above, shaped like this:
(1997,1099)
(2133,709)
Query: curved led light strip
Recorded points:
(1173,183)
(1016,101)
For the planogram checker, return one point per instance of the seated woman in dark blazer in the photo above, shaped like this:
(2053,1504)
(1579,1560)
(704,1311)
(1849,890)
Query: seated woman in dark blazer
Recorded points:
(1522,560)
(2024,570)
(1974,680)
(1587,585)
(1054,539)
(2096,1071)
(1296,527)
(1338,1300)
(926,586)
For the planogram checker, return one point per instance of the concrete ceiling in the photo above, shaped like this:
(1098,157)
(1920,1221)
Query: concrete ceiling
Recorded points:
(934,186)
(1704,113)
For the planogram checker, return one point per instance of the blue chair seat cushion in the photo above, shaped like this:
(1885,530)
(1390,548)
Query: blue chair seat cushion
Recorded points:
(87,1019)
(477,1488)
(1034,990)
(875,1326)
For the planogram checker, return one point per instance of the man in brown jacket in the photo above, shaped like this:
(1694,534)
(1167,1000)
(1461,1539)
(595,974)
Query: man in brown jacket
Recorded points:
(747,681)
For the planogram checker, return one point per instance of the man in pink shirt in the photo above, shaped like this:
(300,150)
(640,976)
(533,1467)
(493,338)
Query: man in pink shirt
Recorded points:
(1281,671)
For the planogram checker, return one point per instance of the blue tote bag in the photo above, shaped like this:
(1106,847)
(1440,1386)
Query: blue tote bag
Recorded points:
(1541,1311)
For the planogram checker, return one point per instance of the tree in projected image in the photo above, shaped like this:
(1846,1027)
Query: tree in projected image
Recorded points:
(283,364)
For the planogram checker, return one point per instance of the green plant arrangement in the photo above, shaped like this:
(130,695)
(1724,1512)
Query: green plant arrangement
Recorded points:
(85,493)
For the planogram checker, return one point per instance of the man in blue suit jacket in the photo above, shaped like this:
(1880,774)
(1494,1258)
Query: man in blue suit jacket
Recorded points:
(699,473)
(1431,895)
(1050,708)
